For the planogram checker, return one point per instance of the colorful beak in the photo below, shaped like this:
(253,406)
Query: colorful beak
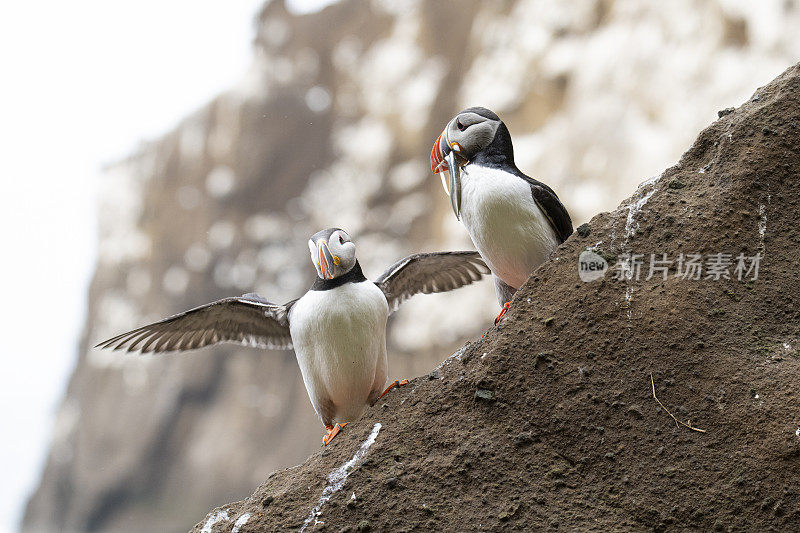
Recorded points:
(443,162)
(437,156)
(326,264)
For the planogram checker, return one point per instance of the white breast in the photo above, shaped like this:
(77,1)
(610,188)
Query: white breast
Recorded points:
(339,337)
(505,224)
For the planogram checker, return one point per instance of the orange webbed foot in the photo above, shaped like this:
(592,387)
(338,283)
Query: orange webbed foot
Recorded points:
(397,383)
(502,312)
(332,431)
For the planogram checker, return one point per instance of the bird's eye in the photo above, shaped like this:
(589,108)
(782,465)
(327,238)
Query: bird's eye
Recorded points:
(460,126)
(341,239)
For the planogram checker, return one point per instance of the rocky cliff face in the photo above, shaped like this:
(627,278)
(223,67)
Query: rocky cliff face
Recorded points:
(631,402)
(332,126)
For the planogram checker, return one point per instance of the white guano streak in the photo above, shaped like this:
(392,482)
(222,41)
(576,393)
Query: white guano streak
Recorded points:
(337,478)
(213,519)
(630,228)
(633,209)
(242,520)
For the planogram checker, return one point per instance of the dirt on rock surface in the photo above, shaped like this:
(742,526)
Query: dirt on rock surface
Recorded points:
(550,421)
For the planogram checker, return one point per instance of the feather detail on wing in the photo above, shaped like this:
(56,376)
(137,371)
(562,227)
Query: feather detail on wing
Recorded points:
(429,273)
(553,209)
(247,319)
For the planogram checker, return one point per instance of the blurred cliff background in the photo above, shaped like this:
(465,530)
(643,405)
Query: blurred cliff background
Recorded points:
(331,124)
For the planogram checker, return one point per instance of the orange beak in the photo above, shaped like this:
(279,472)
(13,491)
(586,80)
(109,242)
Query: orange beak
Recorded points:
(325,261)
(444,163)
(438,164)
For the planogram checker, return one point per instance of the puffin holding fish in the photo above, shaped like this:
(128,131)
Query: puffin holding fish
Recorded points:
(514,220)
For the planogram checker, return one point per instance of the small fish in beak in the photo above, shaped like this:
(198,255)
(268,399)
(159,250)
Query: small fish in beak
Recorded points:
(326,261)
(443,160)
(455,183)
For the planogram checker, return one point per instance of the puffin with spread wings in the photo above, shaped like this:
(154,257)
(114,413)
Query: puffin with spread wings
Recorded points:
(337,329)
(514,220)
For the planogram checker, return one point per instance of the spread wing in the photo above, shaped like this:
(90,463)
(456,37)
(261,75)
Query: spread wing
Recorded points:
(428,273)
(247,319)
(552,207)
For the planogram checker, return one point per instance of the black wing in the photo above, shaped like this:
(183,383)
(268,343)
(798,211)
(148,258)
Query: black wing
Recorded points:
(247,319)
(429,273)
(551,206)
(553,209)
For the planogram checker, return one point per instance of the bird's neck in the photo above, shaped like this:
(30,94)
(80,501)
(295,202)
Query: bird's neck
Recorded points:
(499,154)
(354,275)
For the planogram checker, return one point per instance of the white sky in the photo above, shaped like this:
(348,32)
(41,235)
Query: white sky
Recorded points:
(83,83)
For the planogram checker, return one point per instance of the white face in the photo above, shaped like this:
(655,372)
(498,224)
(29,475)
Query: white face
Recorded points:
(332,256)
(469,133)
